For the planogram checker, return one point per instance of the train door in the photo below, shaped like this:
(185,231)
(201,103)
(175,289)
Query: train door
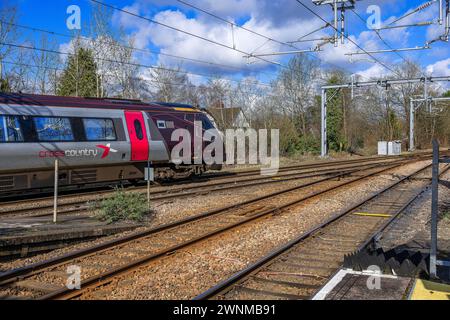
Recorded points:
(138,135)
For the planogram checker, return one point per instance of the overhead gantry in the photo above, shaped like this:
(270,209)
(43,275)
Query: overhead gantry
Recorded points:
(382,83)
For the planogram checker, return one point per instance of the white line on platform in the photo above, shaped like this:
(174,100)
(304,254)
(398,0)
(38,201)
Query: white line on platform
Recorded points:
(322,294)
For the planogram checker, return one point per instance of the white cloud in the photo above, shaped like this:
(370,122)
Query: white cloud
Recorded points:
(177,43)
(440,68)
(281,20)
(374,72)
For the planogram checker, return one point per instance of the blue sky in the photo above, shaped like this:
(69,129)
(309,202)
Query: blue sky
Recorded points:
(283,20)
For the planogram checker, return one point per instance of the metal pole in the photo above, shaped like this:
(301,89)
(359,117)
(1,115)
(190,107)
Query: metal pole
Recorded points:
(55,200)
(324,147)
(447,19)
(336,35)
(342,24)
(411,125)
(148,186)
(441,12)
(425,92)
(148,194)
(232,35)
(434,209)
(353,87)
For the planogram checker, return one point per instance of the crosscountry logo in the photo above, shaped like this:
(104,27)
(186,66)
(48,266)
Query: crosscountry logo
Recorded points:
(106,150)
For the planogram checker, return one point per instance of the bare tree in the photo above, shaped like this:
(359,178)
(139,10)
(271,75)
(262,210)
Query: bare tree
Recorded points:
(299,83)
(8,34)
(45,72)
(247,94)
(402,94)
(19,76)
(216,93)
(114,52)
(171,85)
(123,69)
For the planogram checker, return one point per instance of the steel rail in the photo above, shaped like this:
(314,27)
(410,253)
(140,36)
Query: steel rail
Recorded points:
(228,186)
(218,176)
(347,161)
(394,217)
(13,274)
(95,281)
(179,192)
(227,284)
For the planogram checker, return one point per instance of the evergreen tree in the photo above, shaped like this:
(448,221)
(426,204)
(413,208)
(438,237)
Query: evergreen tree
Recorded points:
(335,115)
(394,129)
(4,86)
(80,76)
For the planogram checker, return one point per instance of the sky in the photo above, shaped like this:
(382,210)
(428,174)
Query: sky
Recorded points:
(282,20)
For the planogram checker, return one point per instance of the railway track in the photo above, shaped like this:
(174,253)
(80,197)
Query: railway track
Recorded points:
(18,199)
(79,203)
(6,201)
(45,280)
(303,266)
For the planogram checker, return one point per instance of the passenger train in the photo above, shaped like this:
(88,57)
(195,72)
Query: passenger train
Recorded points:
(95,140)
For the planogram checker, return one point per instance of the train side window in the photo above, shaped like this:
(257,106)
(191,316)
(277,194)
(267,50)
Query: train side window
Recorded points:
(2,129)
(53,129)
(138,129)
(161,124)
(99,129)
(27,127)
(10,130)
(170,125)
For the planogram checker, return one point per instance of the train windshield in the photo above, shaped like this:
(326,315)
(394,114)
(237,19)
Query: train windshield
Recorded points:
(206,124)
(10,129)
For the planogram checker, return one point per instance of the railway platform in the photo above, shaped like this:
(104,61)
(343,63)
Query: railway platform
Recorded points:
(348,284)
(24,236)
(353,285)
(429,290)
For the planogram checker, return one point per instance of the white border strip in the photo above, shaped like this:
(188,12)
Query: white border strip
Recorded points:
(323,293)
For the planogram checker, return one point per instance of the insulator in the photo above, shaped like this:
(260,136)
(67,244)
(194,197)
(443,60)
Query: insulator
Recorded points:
(425,5)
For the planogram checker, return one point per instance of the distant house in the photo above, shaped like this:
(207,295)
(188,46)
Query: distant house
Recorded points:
(228,118)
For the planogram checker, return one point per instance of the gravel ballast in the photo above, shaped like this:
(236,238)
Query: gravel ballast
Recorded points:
(189,272)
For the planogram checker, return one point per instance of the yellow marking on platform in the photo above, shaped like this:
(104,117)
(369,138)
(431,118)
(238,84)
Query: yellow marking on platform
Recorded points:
(276,178)
(428,290)
(185,109)
(367,214)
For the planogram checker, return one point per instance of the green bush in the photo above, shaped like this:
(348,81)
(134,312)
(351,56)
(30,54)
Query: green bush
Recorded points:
(122,206)
(308,144)
(446,215)
(301,145)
